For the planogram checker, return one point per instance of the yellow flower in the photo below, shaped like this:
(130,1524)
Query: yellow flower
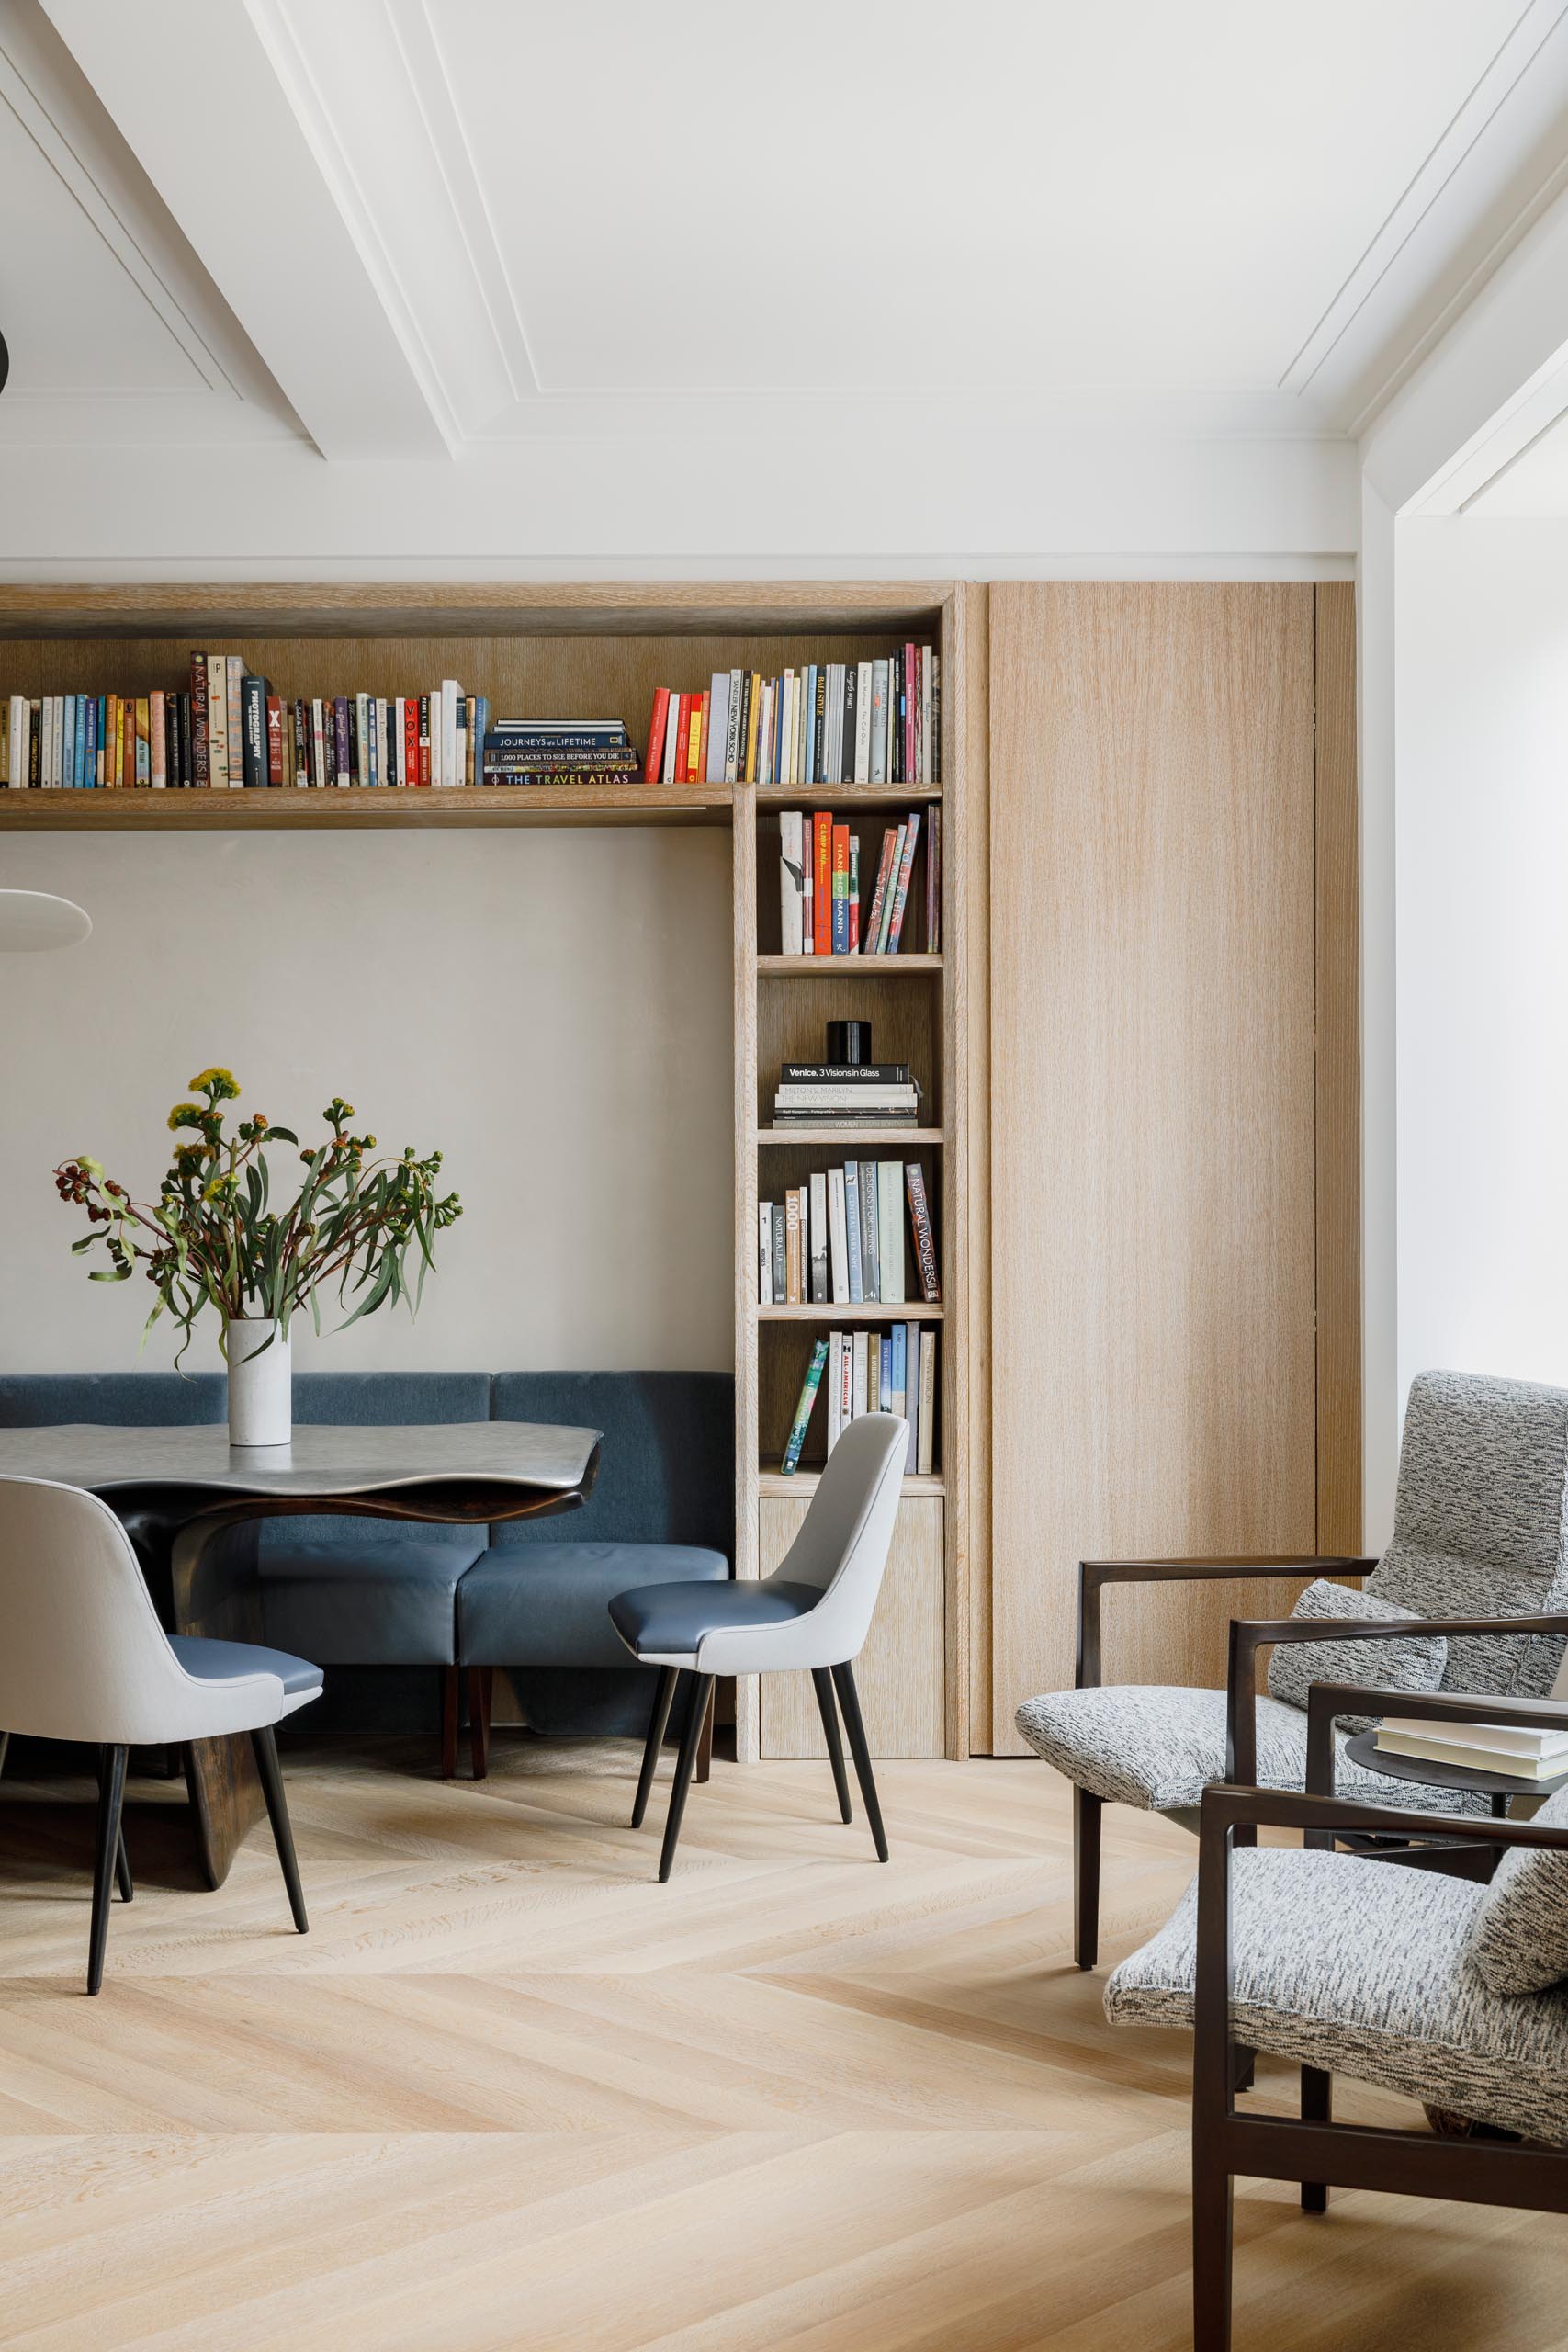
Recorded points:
(184,1114)
(218,1083)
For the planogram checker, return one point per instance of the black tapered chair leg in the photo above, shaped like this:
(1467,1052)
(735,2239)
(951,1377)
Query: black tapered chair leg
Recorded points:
(1317,2106)
(658,1725)
(264,1744)
(121,1859)
(1213,2208)
(822,1683)
(111,1797)
(849,1703)
(691,1734)
(1087,1811)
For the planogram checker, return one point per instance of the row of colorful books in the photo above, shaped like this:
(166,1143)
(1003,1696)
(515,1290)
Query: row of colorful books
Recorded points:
(831,722)
(838,1238)
(820,886)
(871,1372)
(873,1094)
(230,730)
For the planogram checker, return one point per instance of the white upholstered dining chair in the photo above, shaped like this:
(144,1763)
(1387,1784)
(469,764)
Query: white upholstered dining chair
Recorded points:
(83,1657)
(814,1613)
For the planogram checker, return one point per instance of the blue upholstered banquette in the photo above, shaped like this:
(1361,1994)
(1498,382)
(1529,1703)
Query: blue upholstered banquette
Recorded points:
(533,1597)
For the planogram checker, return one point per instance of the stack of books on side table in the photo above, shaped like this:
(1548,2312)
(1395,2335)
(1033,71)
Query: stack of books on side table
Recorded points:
(879,1095)
(1516,1751)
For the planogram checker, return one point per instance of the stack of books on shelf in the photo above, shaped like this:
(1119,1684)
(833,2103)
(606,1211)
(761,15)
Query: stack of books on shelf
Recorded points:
(871,1372)
(560,751)
(821,883)
(868,1094)
(831,722)
(838,1239)
(1519,1751)
(230,730)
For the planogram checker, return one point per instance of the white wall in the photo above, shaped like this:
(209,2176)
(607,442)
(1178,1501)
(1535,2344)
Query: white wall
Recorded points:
(1480,684)
(552,1008)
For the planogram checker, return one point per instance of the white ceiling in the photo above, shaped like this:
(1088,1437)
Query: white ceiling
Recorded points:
(404,227)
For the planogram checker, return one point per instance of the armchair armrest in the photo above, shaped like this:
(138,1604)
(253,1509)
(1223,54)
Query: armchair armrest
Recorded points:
(1250,1634)
(1328,1700)
(1094,1575)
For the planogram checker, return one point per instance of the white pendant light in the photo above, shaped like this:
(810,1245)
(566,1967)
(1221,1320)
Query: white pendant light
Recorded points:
(33,918)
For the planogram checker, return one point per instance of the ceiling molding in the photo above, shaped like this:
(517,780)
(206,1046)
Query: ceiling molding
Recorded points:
(52,101)
(425,61)
(196,94)
(1478,116)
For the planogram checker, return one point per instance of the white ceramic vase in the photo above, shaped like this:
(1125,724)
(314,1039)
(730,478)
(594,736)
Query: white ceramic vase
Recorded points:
(260,1402)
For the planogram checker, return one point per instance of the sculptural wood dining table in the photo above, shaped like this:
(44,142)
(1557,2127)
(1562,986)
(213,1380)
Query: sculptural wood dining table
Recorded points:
(192,1506)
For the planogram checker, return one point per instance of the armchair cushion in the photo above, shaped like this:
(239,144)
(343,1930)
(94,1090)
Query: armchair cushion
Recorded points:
(1358,1967)
(1395,1665)
(1160,1747)
(1518,1936)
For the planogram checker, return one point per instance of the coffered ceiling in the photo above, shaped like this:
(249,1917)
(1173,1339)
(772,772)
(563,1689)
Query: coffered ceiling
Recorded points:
(417,228)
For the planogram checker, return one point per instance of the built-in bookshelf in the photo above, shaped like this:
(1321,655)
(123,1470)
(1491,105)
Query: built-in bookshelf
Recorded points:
(587,648)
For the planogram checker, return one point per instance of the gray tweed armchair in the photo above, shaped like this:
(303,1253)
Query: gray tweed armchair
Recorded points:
(1449,1992)
(1469,1596)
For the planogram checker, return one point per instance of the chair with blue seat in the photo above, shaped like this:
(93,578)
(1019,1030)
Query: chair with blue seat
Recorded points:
(663,1511)
(83,1657)
(814,1613)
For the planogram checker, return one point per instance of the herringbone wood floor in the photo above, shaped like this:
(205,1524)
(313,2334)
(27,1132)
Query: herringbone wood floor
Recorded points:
(510,2092)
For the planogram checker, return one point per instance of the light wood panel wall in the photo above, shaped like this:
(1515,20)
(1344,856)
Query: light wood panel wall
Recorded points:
(1155,869)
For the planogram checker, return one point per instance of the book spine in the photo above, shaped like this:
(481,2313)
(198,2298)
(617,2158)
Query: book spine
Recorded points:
(359,772)
(274,742)
(933,881)
(253,732)
(890,1231)
(858,1398)
(912,1394)
(874,1074)
(905,868)
(840,891)
(66,740)
(878,753)
(35,746)
(340,773)
(765,1254)
(218,722)
(925,1449)
(448,708)
(921,1221)
(911,761)
(854,894)
(928,716)
(701,716)
(807,1399)
(853,1231)
(818,1219)
(187,756)
(141,751)
(862,723)
(792,883)
(718,726)
(900,1394)
(411,776)
(792,1288)
(870,1245)
(838,1246)
(157,741)
(234,674)
(835,1397)
(822,883)
(879,897)
(781,1255)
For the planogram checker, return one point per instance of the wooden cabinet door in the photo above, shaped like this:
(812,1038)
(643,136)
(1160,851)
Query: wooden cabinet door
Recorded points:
(1153,948)
(899,1673)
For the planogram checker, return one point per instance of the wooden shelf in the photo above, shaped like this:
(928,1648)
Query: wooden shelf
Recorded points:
(802,1482)
(827,968)
(364,811)
(843,796)
(873,1311)
(849,1132)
